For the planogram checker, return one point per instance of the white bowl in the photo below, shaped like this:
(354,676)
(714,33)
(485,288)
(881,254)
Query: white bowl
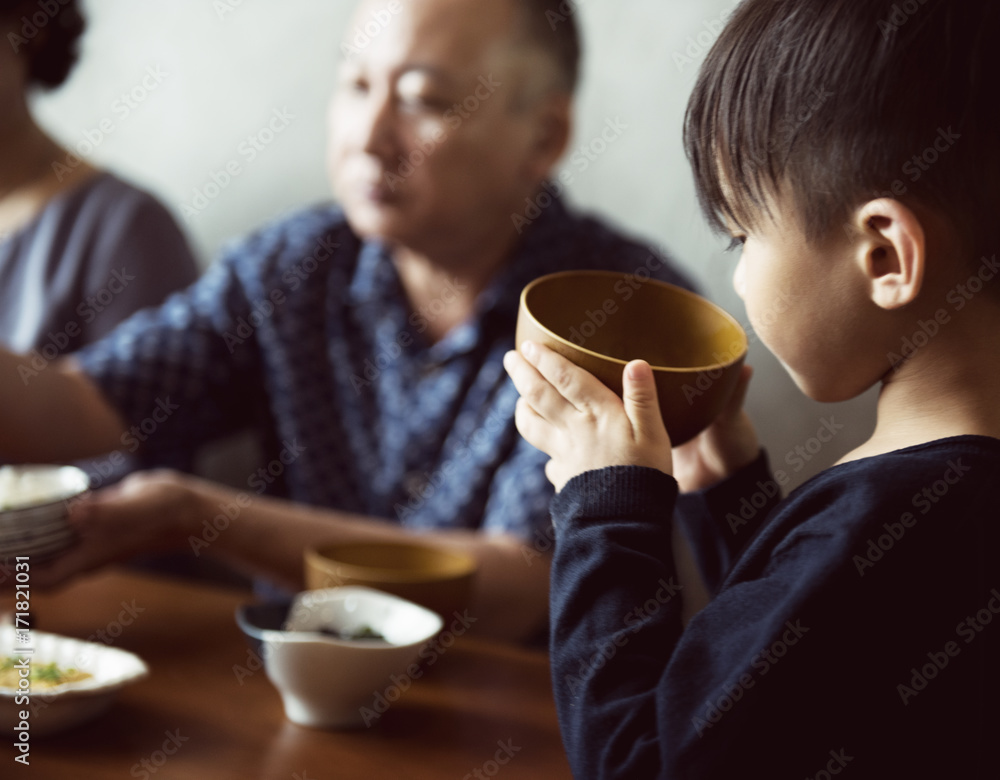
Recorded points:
(75,703)
(34,508)
(326,682)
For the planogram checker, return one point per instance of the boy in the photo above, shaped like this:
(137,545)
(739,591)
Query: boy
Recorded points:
(854,627)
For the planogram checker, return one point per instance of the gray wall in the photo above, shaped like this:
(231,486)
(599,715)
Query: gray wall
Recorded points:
(221,73)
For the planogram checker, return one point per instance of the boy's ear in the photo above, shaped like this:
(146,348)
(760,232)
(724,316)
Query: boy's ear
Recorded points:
(892,252)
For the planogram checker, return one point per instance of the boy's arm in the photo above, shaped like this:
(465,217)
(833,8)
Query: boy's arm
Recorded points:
(639,696)
(721,472)
(615,605)
(615,617)
(719,521)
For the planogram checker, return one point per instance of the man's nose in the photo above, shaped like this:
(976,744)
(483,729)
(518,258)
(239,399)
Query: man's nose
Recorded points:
(378,132)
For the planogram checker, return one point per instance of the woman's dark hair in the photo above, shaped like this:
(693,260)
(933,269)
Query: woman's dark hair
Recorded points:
(47,35)
(836,102)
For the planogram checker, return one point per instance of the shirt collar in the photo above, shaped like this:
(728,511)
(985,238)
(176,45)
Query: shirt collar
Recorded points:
(374,273)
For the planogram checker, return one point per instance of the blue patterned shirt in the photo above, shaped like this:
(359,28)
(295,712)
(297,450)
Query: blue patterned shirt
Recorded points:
(304,332)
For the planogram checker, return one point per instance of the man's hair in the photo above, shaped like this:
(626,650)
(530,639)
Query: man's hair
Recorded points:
(51,51)
(836,102)
(551,25)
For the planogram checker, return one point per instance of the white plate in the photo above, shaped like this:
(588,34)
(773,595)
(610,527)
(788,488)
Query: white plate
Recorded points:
(35,536)
(29,492)
(73,704)
(36,548)
(32,530)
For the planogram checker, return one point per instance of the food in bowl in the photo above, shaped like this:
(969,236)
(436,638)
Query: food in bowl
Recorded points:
(362,634)
(42,676)
(602,320)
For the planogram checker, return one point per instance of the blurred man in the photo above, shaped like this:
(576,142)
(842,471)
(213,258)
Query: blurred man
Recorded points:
(365,342)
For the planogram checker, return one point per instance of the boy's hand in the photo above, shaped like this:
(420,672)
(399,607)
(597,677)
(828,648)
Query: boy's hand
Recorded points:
(726,446)
(571,416)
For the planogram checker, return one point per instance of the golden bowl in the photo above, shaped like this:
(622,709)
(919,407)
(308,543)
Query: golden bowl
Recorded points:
(602,320)
(438,579)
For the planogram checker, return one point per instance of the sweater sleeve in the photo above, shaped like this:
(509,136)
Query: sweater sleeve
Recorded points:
(615,611)
(720,521)
(638,695)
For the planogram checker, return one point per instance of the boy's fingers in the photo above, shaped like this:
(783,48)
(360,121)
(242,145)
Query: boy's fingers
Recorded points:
(532,427)
(578,387)
(535,389)
(639,396)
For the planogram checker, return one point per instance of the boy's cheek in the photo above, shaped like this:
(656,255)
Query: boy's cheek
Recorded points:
(740,278)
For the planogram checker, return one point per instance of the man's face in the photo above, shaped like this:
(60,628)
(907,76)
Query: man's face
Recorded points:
(427,146)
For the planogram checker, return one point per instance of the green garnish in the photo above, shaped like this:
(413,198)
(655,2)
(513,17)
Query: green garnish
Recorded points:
(361,634)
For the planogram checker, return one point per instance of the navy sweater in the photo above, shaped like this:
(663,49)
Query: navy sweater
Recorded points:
(855,625)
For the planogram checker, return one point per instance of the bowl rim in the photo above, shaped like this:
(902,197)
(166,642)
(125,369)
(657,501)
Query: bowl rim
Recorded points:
(745,339)
(276,637)
(465,565)
(12,513)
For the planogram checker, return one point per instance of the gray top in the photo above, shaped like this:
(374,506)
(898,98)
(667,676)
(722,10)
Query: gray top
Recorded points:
(93,256)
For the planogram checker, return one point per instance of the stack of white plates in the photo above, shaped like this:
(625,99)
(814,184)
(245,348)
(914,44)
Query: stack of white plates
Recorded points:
(34,509)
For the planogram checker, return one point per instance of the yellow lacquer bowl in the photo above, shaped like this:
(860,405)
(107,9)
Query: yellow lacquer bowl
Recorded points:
(601,320)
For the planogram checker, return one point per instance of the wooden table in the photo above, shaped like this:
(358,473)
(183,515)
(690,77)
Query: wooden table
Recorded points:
(450,724)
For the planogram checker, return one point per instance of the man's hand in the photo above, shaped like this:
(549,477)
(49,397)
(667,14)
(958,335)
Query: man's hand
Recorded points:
(571,416)
(146,512)
(162,510)
(726,446)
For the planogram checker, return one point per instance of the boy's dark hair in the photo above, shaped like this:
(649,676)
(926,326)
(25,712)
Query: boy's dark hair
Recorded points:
(51,51)
(552,26)
(836,102)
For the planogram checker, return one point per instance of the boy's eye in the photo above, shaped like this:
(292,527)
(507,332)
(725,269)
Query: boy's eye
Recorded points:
(737,243)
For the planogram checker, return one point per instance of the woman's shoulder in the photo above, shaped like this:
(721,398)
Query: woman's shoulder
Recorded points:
(106,192)
(102,201)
